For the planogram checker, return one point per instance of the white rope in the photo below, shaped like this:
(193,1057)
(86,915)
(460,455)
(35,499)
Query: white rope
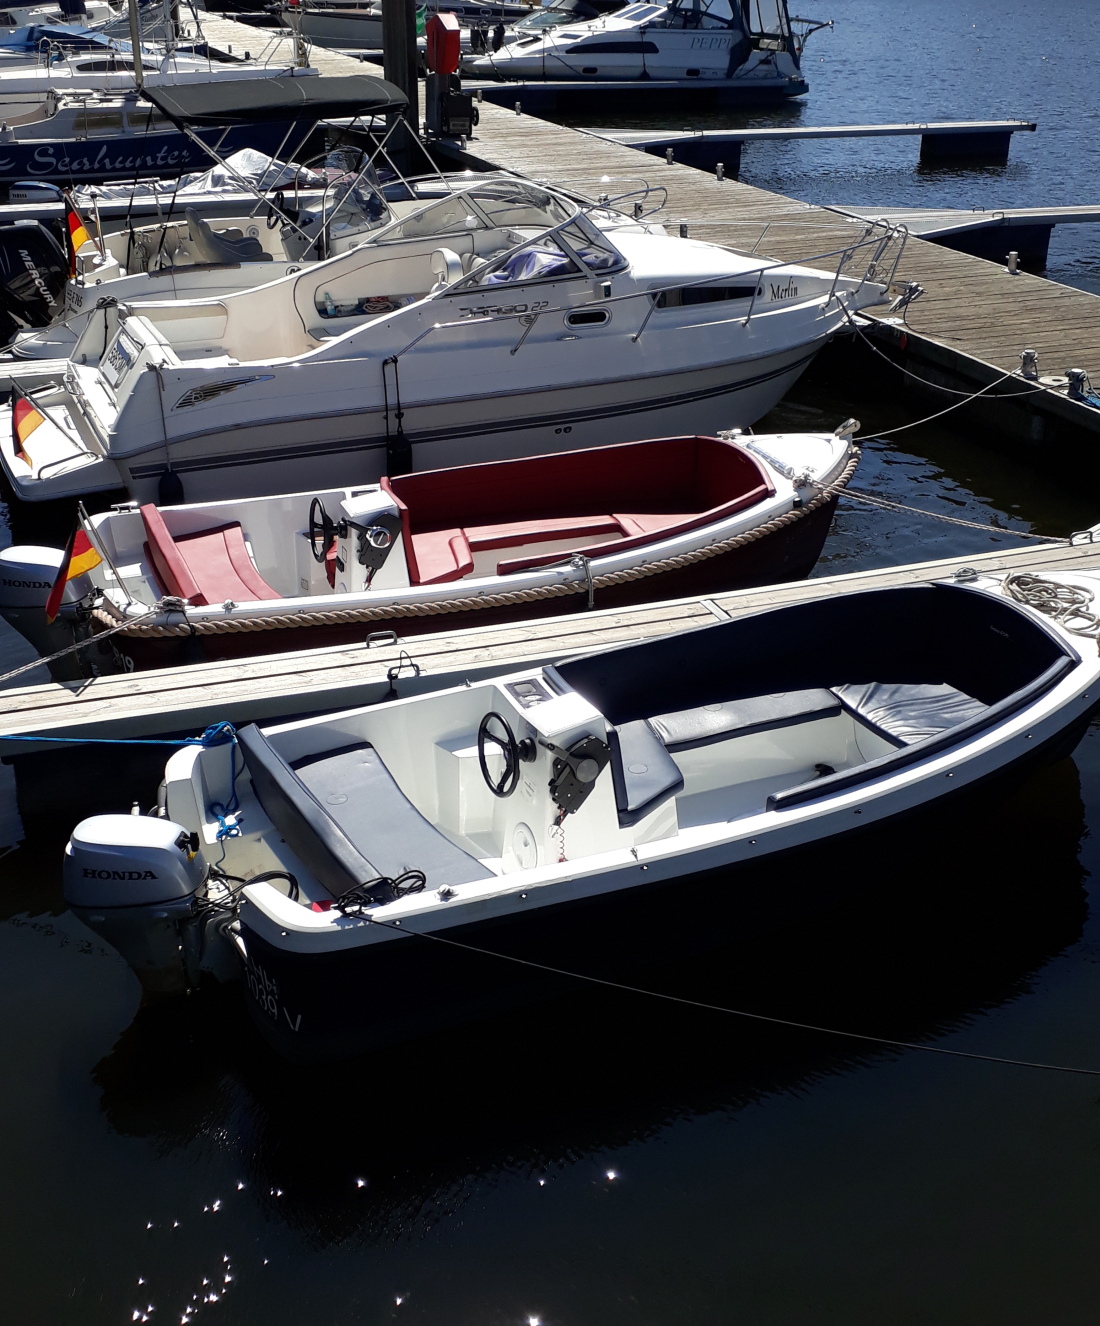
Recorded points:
(886,504)
(1069,605)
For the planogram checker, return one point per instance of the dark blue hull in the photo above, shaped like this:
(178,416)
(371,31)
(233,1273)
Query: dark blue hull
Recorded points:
(133,156)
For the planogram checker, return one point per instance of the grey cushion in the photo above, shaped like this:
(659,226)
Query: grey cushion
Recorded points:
(908,714)
(342,813)
(211,246)
(642,771)
(359,792)
(689,728)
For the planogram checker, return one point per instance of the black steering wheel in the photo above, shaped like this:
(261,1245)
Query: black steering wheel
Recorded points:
(508,781)
(320,528)
(273,217)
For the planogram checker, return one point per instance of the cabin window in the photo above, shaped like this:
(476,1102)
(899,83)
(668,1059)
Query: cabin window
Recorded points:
(706,294)
(588,317)
(637,47)
(144,119)
(703,14)
(767,17)
(102,120)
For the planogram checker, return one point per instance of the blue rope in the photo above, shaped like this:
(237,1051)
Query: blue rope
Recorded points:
(217,734)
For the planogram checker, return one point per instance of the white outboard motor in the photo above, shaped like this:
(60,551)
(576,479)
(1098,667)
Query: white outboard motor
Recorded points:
(27,574)
(133,880)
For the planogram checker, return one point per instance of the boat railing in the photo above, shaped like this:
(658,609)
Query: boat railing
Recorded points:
(882,245)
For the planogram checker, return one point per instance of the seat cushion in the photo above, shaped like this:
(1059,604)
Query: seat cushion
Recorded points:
(343,814)
(360,794)
(642,771)
(905,715)
(688,728)
(441,555)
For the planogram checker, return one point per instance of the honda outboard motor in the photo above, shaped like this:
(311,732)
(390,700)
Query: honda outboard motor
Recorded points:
(34,269)
(133,879)
(27,574)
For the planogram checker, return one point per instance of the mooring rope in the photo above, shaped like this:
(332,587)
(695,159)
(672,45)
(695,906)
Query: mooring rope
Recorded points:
(733,1012)
(887,504)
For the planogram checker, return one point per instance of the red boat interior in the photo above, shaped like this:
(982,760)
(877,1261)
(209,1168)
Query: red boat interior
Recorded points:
(627,495)
(211,566)
(544,509)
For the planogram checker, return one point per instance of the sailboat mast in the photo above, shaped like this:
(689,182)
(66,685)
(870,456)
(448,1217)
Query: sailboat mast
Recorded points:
(135,43)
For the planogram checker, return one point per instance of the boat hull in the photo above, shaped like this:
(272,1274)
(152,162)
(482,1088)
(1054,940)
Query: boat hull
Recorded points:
(272,456)
(313,1007)
(786,554)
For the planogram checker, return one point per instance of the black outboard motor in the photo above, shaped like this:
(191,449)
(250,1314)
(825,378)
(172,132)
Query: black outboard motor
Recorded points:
(34,269)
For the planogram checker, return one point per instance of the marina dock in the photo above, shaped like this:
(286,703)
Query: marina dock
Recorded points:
(965,332)
(187,699)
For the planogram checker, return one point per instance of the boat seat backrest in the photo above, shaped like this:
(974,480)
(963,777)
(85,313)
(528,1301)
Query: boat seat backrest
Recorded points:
(688,729)
(335,808)
(208,245)
(208,566)
(446,268)
(643,773)
(907,714)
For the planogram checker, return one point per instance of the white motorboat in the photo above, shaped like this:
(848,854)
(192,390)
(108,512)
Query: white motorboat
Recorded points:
(373,866)
(13,17)
(704,40)
(197,247)
(504,319)
(440,549)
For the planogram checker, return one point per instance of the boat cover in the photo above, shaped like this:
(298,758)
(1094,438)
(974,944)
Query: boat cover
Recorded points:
(284,97)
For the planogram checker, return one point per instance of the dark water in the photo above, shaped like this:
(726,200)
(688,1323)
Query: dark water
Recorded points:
(899,61)
(763,1177)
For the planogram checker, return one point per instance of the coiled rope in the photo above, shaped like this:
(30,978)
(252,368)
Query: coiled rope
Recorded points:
(1069,605)
(503,599)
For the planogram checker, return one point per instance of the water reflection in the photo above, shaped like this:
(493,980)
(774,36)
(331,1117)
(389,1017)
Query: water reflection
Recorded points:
(952,916)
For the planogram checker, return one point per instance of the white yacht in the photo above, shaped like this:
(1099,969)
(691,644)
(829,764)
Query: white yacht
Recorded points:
(704,40)
(506,318)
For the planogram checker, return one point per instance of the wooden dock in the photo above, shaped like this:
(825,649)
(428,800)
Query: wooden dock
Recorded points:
(186,699)
(964,333)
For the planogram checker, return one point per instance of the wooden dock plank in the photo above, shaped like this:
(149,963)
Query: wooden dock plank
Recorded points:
(277,685)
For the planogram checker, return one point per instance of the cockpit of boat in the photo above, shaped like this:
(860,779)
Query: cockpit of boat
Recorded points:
(682,737)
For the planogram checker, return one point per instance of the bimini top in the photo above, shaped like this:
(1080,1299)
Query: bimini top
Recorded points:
(246,101)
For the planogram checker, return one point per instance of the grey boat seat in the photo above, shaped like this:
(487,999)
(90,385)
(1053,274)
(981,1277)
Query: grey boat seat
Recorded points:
(642,768)
(342,813)
(903,714)
(225,246)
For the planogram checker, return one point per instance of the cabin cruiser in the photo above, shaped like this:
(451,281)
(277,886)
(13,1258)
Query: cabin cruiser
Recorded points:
(704,40)
(14,17)
(357,24)
(506,318)
(438,549)
(392,870)
(202,247)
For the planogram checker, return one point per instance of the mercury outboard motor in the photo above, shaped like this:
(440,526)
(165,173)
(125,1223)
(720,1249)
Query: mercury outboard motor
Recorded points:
(34,269)
(133,879)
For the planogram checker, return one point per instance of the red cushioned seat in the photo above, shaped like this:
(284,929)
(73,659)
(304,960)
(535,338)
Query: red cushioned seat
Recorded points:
(441,555)
(209,566)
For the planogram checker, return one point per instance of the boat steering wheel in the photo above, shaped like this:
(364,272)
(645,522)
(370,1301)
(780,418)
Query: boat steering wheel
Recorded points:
(273,217)
(322,531)
(508,781)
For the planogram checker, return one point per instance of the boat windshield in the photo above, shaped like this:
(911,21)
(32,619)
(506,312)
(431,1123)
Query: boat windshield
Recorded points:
(555,12)
(356,204)
(485,205)
(703,14)
(569,251)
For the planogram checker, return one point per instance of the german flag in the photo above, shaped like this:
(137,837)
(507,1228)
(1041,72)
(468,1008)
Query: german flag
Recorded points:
(78,233)
(25,418)
(80,556)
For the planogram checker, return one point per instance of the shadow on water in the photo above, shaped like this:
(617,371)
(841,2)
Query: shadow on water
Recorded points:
(953,921)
